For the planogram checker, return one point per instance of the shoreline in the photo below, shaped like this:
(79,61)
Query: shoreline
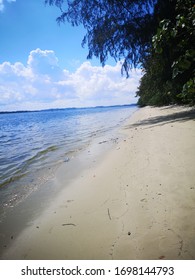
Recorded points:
(136,202)
(25,204)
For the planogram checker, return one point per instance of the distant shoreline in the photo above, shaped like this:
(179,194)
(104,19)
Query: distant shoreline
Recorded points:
(61,109)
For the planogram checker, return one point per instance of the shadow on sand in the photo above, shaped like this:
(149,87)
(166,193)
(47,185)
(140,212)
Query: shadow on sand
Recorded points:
(188,114)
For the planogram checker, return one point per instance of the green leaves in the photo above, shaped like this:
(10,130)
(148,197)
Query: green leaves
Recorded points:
(183,63)
(173,56)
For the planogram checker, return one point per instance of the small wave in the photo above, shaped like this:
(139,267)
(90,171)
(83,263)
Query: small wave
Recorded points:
(21,169)
(12,179)
(40,154)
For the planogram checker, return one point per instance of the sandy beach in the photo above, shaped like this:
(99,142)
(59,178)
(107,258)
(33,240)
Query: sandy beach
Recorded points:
(136,202)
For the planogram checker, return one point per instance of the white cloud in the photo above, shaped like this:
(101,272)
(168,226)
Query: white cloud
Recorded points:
(42,84)
(2,3)
(44,63)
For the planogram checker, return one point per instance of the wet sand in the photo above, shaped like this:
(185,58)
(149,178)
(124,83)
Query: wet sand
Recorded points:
(136,202)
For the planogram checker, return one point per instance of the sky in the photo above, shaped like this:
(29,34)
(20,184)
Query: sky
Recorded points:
(43,66)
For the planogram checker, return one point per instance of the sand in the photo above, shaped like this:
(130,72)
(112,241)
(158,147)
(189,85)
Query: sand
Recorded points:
(137,202)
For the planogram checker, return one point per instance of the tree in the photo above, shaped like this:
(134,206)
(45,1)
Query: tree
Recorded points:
(169,72)
(122,29)
(157,35)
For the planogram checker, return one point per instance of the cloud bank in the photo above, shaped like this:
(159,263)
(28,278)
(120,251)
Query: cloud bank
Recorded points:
(42,84)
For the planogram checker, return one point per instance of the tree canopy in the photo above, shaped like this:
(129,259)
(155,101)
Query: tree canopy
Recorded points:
(117,28)
(157,35)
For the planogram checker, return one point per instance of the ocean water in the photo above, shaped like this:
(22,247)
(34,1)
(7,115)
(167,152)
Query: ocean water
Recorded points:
(33,143)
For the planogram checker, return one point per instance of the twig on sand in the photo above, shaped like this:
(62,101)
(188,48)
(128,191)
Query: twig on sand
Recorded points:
(109,214)
(69,225)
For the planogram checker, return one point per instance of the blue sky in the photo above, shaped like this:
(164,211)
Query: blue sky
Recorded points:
(42,64)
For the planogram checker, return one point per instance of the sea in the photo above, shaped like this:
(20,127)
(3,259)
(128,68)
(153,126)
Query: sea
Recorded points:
(34,144)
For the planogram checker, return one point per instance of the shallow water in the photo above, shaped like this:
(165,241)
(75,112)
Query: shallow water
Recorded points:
(34,144)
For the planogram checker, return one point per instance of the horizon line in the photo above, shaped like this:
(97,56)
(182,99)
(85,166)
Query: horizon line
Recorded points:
(67,108)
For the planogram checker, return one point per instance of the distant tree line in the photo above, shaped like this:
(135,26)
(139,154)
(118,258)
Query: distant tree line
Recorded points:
(155,35)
